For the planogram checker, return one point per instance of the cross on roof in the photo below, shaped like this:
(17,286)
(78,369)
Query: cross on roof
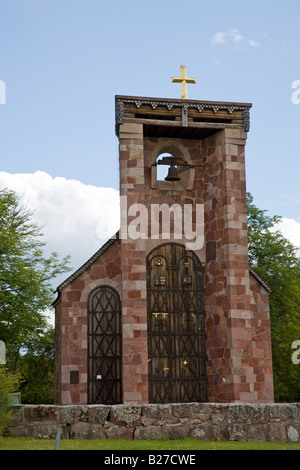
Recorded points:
(183,80)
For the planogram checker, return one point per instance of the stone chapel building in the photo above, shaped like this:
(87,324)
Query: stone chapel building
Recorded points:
(148,319)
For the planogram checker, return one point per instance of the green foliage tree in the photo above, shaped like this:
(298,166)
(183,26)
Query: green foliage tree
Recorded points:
(25,277)
(9,383)
(275,259)
(36,367)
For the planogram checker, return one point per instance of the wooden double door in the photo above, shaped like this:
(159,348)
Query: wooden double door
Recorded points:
(176,326)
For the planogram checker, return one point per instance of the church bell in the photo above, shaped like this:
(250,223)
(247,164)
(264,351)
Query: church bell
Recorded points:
(172,174)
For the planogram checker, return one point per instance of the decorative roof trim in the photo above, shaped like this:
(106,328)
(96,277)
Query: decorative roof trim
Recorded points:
(169,104)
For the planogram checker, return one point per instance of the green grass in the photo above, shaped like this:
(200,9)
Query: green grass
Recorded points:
(10,443)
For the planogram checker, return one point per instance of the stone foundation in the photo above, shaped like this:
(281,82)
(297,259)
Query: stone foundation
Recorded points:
(205,421)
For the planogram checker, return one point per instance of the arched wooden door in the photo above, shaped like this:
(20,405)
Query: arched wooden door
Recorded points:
(176,326)
(104,346)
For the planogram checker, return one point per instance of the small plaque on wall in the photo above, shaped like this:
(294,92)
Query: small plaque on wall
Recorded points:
(159,280)
(74,377)
(187,279)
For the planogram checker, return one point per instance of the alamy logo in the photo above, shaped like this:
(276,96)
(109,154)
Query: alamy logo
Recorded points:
(296,354)
(296,95)
(2,92)
(135,222)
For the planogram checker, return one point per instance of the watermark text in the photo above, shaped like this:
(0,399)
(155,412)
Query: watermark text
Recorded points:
(161,221)
(2,92)
(296,354)
(296,94)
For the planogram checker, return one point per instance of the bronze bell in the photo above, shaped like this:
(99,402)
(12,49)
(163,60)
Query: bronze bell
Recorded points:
(172,174)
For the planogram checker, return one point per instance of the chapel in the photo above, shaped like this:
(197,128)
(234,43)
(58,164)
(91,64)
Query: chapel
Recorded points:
(168,310)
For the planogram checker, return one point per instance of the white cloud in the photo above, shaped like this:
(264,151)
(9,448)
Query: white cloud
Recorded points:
(218,38)
(290,229)
(237,37)
(253,43)
(222,38)
(76,218)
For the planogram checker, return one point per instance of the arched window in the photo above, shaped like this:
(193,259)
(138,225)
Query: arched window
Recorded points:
(164,157)
(104,346)
(162,170)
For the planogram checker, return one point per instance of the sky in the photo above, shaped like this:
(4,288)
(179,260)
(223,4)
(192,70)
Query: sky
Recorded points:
(63,61)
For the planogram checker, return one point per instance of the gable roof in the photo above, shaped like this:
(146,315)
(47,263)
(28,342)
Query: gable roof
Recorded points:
(85,266)
(260,280)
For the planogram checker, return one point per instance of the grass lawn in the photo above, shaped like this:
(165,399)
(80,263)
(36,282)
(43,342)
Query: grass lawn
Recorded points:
(10,443)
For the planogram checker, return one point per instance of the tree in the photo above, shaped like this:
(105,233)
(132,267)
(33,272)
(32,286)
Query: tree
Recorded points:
(275,259)
(25,276)
(9,383)
(37,369)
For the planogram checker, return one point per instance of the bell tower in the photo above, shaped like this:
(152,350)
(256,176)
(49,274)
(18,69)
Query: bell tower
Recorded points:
(195,316)
(169,309)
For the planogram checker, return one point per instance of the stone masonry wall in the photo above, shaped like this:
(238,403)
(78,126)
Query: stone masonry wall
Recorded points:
(133,268)
(71,325)
(205,421)
(238,330)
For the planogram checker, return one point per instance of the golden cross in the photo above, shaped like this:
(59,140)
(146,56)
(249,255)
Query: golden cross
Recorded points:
(183,80)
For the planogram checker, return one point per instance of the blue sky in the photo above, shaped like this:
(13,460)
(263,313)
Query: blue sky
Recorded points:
(63,61)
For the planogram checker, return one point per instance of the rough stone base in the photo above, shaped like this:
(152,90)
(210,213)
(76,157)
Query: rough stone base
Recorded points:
(205,421)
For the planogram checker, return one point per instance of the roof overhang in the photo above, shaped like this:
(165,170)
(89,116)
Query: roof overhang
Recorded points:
(187,118)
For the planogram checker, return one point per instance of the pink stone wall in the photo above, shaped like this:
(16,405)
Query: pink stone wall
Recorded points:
(133,267)
(261,343)
(71,325)
(233,312)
